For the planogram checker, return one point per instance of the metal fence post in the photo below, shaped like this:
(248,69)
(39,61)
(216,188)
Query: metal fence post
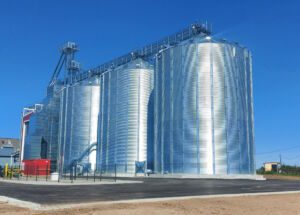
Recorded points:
(71,174)
(20,171)
(31,172)
(36,169)
(27,174)
(11,172)
(94,175)
(115,172)
(47,172)
(100,176)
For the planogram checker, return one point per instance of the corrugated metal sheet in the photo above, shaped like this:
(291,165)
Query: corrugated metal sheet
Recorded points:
(43,128)
(78,123)
(37,129)
(203,109)
(52,109)
(123,118)
(6,151)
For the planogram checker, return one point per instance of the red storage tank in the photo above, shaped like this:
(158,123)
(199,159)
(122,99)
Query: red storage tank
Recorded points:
(37,167)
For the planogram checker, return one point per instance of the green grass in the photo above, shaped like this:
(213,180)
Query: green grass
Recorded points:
(280,174)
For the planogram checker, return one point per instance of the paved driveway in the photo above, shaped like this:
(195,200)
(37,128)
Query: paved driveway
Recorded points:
(150,188)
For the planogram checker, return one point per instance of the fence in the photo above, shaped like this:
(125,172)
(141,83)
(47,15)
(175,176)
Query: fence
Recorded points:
(41,172)
(45,171)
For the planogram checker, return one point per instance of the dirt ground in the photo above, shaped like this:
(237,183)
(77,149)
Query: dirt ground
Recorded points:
(266,205)
(282,177)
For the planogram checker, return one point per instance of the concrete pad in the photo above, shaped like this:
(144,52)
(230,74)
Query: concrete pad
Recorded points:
(20,203)
(69,183)
(39,207)
(150,188)
(193,176)
(220,176)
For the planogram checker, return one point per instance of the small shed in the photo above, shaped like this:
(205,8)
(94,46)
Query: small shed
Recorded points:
(271,166)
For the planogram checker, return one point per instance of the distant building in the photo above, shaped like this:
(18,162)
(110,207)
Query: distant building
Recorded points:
(271,166)
(9,151)
(11,142)
(6,153)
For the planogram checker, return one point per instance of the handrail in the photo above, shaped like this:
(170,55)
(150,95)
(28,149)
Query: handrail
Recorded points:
(147,51)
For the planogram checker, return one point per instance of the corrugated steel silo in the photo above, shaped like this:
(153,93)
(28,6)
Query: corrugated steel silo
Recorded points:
(78,124)
(42,136)
(203,113)
(36,133)
(53,110)
(123,117)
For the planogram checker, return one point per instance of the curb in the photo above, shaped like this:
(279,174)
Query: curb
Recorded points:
(39,207)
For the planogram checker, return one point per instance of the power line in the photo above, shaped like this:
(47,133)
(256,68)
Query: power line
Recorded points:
(292,158)
(278,150)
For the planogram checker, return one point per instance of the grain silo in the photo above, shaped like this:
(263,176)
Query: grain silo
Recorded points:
(203,115)
(41,139)
(36,132)
(123,117)
(190,113)
(53,110)
(78,125)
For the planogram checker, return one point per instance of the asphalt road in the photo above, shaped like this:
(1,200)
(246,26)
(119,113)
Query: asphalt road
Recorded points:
(151,188)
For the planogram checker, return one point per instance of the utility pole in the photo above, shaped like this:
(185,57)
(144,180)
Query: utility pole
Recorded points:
(280,159)
(279,162)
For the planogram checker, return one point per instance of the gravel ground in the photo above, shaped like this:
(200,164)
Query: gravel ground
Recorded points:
(266,205)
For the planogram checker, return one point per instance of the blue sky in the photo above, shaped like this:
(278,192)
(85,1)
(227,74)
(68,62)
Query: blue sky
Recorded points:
(32,32)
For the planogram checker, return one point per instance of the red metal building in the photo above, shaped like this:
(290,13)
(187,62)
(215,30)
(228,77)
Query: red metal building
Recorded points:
(37,167)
